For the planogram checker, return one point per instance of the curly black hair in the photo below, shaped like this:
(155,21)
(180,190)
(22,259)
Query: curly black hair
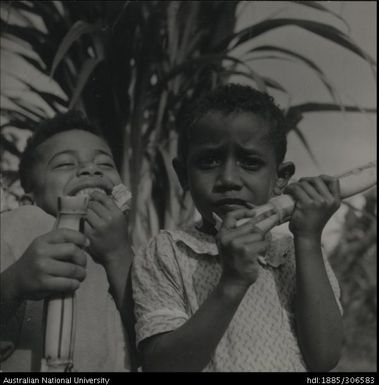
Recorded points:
(232,98)
(72,120)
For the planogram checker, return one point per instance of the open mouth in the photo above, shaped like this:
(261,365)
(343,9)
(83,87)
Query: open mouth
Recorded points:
(86,185)
(89,190)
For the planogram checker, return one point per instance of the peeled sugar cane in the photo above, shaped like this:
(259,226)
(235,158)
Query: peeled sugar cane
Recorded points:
(59,313)
(122,197)
(279,209)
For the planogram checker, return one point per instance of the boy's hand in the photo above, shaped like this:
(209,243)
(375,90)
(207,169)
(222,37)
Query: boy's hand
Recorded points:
(53,264)
(239,249)
(107,229)
(317,199)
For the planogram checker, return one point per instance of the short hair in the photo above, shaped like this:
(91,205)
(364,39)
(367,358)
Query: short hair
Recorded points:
(231,98)
(71,120)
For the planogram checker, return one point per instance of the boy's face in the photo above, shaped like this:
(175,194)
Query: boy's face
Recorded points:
(231,163)
(68,163)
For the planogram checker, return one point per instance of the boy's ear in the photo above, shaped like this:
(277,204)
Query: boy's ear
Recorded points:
(285,172)
(181,173)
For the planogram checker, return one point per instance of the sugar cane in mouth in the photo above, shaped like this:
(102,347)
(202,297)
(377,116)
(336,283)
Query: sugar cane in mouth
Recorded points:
(279,209)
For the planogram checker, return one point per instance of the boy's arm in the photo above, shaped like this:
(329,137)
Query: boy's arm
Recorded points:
(117,270)
(107,229)
(318,319)
(10,300)
(190,346)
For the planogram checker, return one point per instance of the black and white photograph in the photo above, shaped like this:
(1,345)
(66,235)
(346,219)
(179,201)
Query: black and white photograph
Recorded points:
(188,186)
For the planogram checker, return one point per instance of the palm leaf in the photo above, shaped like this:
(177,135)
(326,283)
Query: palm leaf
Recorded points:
(325,107)
(40,66)
(305,143)
(323,30)
(20,124)
(33,110)
(27,36)
(76,31)
(9,146)
(269,82)
(322,76)
(54,101)
(88,67)
(318,6)
(15,115)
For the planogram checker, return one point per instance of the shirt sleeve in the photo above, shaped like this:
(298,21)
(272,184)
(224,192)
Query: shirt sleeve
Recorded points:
(158,291)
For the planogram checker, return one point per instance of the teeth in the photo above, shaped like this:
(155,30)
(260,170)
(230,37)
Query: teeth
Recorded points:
(89,190)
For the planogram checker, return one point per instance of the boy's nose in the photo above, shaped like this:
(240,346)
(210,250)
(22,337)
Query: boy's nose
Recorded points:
(89,169)
(229,178)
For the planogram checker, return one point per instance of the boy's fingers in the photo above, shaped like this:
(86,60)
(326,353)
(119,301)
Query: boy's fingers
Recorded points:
(246,229)
(322,188)
(67,235)
(101,210)
(247,239)
(69,252)
(256,247)
(104,199)
(333,185)
(298,193)
(313,189)
(61,285)
(267,223)
(67,270)
(257,218)
(94,219)
(232,217)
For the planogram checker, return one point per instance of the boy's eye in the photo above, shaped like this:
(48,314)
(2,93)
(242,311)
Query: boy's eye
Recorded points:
(209,161)
(251,163)
(106,164)
(104,161)
(64,165)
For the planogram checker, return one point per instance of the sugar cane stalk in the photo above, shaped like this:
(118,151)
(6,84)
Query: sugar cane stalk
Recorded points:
(59,313)
(279,209)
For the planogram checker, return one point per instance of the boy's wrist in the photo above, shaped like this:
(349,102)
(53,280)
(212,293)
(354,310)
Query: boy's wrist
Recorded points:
(115,258)
(307,246)
(310,237)
(10,280)
(231,289)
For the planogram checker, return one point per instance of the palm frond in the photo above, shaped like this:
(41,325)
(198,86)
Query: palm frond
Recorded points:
(76,31)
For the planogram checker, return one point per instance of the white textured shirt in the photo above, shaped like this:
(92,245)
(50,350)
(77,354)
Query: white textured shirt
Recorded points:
(177,271)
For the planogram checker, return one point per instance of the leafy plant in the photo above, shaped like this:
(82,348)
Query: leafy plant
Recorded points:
(134,67)
(354,260)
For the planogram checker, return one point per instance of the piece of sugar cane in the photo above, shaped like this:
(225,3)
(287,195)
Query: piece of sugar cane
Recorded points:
(60,312)
(122,197)
(352,182)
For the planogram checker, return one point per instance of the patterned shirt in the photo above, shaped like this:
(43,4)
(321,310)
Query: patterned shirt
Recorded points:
(177,271)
